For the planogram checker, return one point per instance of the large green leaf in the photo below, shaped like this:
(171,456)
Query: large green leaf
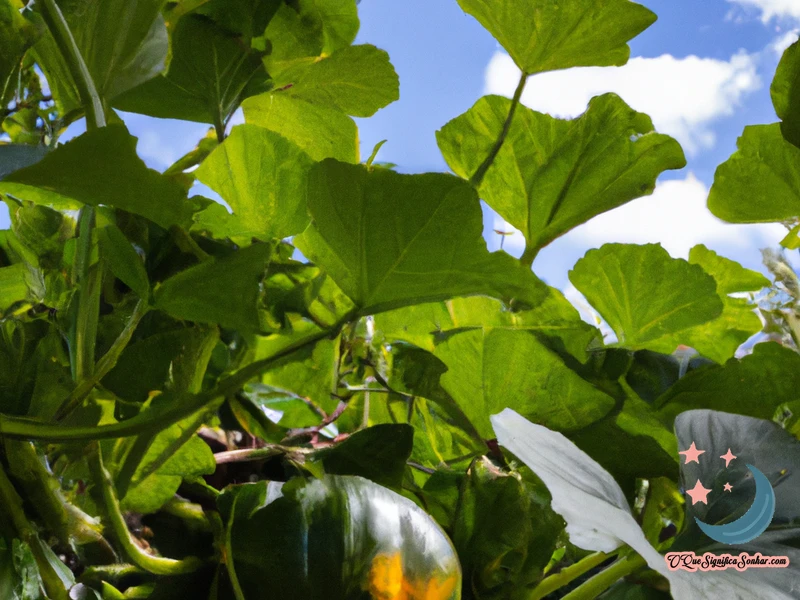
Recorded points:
(719,338)
(18,156)
(321,131)
(220,291)
(760,182)
(390,240)
(555,320)
(493,368)
(101,167)
(552,174)
(210,72)
(504,531)
(303,30)
(118,58)
(262,176)
(357,80)
(543,35)
(16,35)
(341,537)
(785,91)
(754,385)
(644,294)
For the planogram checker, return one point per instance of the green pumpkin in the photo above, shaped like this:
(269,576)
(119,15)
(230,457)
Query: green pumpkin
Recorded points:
(337,538)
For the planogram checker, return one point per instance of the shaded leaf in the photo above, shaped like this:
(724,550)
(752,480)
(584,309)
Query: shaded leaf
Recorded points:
(100,167)
(17,34)
(220,291)
(545,36)
(124,261)
(18,156)
(389,240)
(489,369)
(644,294)
(552,174)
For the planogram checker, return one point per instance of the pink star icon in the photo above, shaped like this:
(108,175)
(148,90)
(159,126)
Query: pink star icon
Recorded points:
(728,457)
(692,454)
(727,487)
(698,493)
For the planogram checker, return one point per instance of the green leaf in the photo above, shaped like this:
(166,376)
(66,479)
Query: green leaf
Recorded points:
(123,44)
(378,453)
(157,363)
(504,531)
(754,385)
(262,177)
(17,34)
(644,294)
(719,338)
(356,80)
(125,262)
(18,283)
(785,91)
(552,174)
(342,537)
(493,368)
(18,156)
(210,72)
(545,36)
(220,291)
(321,131)
(304,30)
(555,320)
(101,167)
(389,240)
(760,182)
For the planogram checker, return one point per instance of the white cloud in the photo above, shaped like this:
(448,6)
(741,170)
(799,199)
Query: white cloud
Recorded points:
(153,147)
(782,42)
(772,9)
(675,216)
(684,96)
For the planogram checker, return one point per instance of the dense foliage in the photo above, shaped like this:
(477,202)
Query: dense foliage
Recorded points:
(295,398)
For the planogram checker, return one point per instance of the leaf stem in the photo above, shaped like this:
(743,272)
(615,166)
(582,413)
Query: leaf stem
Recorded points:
(157,420)
(112,516)
(605,579)
(567,575)
(104,365)
(92,104)
(11,505)
(477,178)
(528,256)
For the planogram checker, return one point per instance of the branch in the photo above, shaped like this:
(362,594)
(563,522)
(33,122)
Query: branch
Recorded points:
(477,178)
(567,575)
(605,579)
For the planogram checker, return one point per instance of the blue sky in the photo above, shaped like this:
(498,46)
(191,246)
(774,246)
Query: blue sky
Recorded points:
(702,72)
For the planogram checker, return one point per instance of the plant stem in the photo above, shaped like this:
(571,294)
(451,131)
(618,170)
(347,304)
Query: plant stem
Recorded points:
(11,505)
(90,99)
(567,575)
(112,516)
(605,579)
(155,421)
(104,365)
(528,256)
(477,178)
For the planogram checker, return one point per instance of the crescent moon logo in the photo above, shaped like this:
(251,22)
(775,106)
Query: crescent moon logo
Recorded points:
(751,524)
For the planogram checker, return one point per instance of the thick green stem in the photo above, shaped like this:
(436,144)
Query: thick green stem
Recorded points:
(90,99)
(605,579)
(11,506)
(567,575)
(477,178)
(105,364)
(528,256)
(112,517)
(156,420)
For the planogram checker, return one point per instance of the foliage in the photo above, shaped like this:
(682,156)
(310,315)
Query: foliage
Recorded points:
(298,398)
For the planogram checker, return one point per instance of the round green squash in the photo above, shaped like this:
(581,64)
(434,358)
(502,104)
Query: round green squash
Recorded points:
(338,538)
